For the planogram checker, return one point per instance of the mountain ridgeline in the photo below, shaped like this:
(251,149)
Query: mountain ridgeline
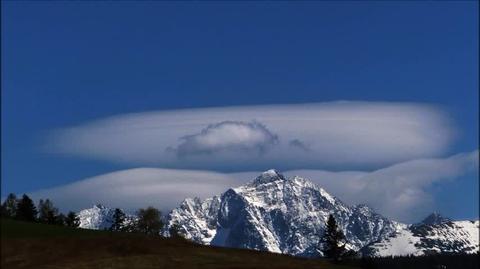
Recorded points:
(276,214)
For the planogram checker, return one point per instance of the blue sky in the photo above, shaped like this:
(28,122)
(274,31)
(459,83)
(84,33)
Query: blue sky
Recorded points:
(67,64)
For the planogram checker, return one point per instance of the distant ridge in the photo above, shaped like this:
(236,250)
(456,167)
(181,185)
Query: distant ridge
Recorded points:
(287,215)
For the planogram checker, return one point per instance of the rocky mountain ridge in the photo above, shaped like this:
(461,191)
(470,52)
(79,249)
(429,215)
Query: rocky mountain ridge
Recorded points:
(276,214)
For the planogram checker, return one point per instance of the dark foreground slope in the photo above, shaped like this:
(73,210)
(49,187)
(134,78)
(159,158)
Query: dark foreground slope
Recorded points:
(29,245)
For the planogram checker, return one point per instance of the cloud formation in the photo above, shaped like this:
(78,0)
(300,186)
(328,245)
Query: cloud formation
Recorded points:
(228,137)
(339,136)
(298,144)
(140,187)
(400,191)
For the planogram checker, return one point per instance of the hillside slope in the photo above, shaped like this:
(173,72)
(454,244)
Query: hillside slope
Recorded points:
(30,245)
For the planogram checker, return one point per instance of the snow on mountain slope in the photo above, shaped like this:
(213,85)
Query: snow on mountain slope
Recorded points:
(99,217)
(281,215)
(199,216)
(429,237)
(276,214)
(401,244)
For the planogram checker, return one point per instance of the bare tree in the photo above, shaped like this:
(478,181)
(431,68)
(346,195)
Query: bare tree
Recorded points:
(149,221)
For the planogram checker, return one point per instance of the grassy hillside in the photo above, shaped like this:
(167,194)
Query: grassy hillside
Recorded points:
(31,245)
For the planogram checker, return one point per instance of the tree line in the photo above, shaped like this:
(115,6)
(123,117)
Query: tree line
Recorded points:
(148,221)
(332,243)
(25,210)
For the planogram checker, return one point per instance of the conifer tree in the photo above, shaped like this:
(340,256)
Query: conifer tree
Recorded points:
(72,220)
(26,210)
(9,206)
(333,241)
(174,231)
(118,220)
(59,219)
(47,213)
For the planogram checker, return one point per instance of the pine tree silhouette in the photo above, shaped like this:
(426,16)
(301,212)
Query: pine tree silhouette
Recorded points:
(174,231)
(333,242)
(26,210)
(9,206)
(72,220)
(47,213)
(118,220)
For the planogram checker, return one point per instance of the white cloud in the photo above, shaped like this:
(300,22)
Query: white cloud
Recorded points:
(338,135)
(140,187)
(233,137)
(400,191)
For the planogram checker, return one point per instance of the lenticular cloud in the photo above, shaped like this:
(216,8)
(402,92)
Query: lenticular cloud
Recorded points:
(337,135)
(399,191)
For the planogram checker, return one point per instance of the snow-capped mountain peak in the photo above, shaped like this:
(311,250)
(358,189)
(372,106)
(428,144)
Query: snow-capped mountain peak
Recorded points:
(99,217)
(422,239)
(276,214)
(267,177)
(435,219)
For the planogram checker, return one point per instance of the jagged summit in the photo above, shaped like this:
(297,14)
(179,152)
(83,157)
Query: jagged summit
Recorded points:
(435,234)
(99,217)
(435,219)
(276,214)
(287,216)
(268,176)
(96,217)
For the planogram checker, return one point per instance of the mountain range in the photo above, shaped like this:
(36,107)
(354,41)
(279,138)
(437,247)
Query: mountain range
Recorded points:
(276,214)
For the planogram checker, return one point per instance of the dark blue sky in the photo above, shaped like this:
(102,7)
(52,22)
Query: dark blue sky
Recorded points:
(68,63)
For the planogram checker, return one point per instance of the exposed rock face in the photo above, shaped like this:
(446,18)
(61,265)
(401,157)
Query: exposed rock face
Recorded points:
(276,214)
(100,217)
(435,219)
(433,235)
